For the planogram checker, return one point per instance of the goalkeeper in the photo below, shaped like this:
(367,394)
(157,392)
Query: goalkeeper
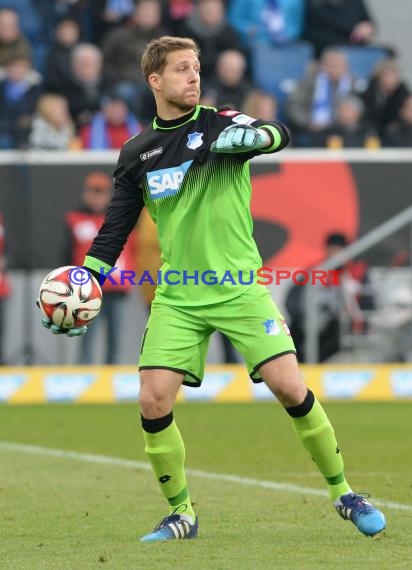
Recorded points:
(190,167)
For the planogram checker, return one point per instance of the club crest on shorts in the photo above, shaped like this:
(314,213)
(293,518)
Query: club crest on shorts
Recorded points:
(271,327)
(194,140)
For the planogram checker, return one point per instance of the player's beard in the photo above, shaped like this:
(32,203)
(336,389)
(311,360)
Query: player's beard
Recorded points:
(182,104)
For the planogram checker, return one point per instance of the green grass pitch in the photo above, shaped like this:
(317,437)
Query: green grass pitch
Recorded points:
(71,512)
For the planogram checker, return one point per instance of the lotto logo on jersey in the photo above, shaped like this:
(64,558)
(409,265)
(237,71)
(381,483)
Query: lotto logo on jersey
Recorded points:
(167,181)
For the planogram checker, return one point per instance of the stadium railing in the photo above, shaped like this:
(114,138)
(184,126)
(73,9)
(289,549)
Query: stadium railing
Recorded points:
(362,245)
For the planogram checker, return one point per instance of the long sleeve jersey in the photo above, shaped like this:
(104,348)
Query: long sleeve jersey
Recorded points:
(200,201)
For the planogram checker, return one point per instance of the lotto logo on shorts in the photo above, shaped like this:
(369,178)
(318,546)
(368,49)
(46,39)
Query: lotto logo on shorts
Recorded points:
(167,181)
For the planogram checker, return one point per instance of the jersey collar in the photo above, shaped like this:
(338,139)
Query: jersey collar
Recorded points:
(163,125)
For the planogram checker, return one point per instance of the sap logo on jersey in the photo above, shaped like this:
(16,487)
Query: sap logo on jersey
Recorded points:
(167,182)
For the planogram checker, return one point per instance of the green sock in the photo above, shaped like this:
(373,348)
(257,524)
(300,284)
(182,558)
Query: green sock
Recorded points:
(317,436)
(166,452)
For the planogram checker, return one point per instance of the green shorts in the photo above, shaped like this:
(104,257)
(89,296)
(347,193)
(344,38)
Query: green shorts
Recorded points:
(177,338)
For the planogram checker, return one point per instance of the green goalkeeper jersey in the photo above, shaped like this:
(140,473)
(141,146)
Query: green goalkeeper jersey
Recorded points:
(199,200)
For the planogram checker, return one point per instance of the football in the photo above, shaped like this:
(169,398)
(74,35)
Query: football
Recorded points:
(70,297)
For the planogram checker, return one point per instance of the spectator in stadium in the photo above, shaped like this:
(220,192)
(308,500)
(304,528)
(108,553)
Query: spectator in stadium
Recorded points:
(260,104)
(348,129)
(83,11)
(86,85)
(123,47)
(350,295)
(272,22)
(13,43)
(175,12)
(230,86)
(4,284)
(311,107)
(82,225)
(30,21)
(52,127)
(398,133)
(385,95)
(32,26)
(20,90)
(208,26)
(118,11)
(337,22)
(109,15)
(58,62)
(111,127)
(51,13)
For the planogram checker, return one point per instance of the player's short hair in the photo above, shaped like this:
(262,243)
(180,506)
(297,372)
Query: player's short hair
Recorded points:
(155,54)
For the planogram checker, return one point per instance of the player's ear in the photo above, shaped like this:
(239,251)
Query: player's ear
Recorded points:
(154,81)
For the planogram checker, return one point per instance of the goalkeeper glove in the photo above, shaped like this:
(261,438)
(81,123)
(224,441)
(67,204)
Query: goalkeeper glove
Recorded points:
(240,138)
(75,331)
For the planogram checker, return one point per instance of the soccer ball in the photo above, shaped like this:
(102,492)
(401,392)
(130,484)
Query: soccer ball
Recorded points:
(70,297)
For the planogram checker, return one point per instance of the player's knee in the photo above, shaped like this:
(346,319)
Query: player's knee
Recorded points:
(154,403)
(290,395)
(289,390)
(283,378)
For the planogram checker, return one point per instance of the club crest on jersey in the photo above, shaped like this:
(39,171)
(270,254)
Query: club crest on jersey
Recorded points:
(194,140)
(271,327)
(167,181)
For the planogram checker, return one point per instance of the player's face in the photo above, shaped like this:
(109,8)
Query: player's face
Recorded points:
(178,86)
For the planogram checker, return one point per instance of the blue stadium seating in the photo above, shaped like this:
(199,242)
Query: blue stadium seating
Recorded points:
(277,70)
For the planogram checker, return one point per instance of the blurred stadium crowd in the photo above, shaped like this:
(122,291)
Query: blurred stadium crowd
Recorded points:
(70,79)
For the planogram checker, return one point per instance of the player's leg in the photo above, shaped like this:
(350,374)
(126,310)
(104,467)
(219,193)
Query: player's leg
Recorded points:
(173,352)
(261,335)
(165,448)
(163,443)
(265,341)
(309,420)
(317,436)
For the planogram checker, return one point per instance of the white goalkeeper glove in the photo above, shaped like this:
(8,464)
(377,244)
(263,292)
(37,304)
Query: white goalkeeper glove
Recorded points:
(73,332)
(240,138)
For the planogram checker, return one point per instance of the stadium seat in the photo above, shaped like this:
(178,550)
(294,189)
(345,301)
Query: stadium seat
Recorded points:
(277,70)
(363,59)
